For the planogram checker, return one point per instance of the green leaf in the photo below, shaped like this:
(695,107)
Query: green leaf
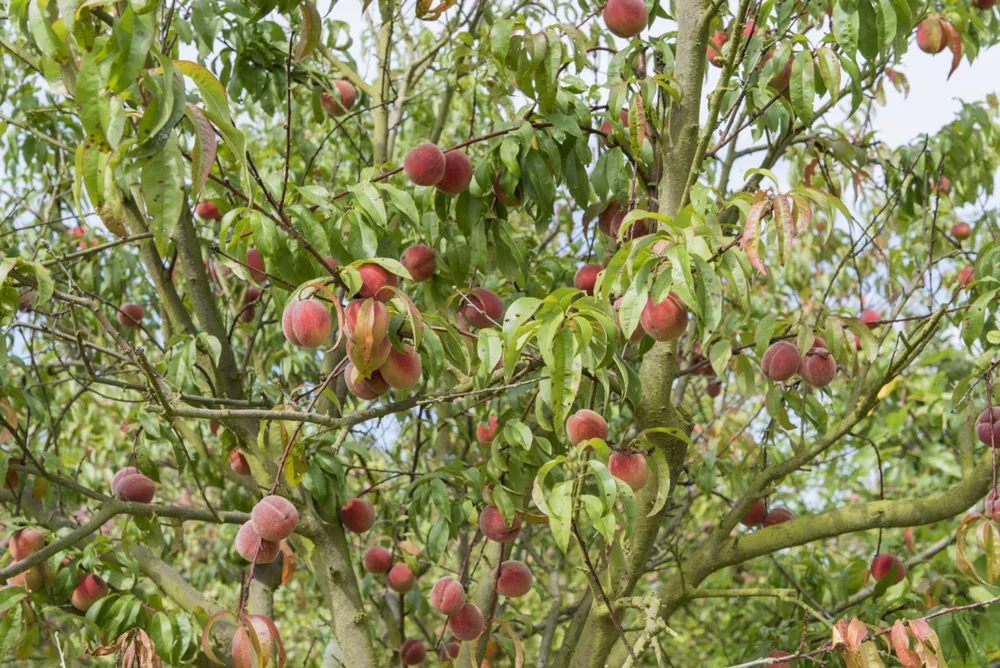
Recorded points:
(662,481)
(566,371)
(720,355)
(845,27)
(605,483)
(162,191)
(868,32)
(803,87)
(134,36)
(310,31)
(205,147)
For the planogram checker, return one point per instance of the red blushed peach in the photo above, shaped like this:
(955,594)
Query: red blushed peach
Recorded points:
(988,426)
(401,579)
(961,231)
(358,515)
(306,322)
(781,361)
(420,261)
(666,320)
(448,596)
(755,515)
(130,485)
(425,165)
(250,297)
(238,463)
(482,308)
(485,433)
(335,106)
(503,197)
(626,18)
(468,624)
(266,632)
(818,367)
(256,265)
(375,281)
(607,219)
(777,516)
(32,579)
(248,543)
(377,559)
(450,651)
(274,518)
(364,388)
(402,369)
(870,318)
(207,211)
(584,425)
(639,331)
(630,469)
(373,317)
(412,652)
(493,527)
(457,173)
(883,566)
(637,229)
(513,579)
(965,277)
(779,654)
(714,389)
(25,542)
(713,52)
(89,588)
(931,36)
(586,277)
(130,315)
(369,358)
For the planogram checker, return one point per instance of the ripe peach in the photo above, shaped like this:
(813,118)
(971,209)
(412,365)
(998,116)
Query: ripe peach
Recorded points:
(238,463)
(870,318)
(755,514)
(625,18)
(358,515)
(638,333)
(586,277)
(450,651)
(637,229)
(486,433)
(374,279)
(586,424)
(493,527)
(32,579)
(630,469)
(130,485)
(713,52)
(371,358)
(130,315)
(306,322)
(961,231)
(777,516)
(401,579)
(482,308)
(503,197)
(248,542)
(207,211)
(274,518)
(377,559)
(883,564)
(514,579)
(339,107)
(468,624)
(966,276)
(25,542)
(931,36)
(250,297)
(611,213)
(988,426)
(374,320)
(402,369)
(780,361)
(88,589)
(425,165)
(779,654)
(985,4)
(457,173)
(818,367)
(448,596)
(666,320)
(412,652)
(942,186)
(255,263)
(714,389)
(420,261)
(364,388)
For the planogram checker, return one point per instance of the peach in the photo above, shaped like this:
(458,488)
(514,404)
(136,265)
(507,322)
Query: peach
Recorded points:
(586,277)
(961,231)
(666,320)
(942,185)
(255,263)
(584,425)
(988,426)
(630,469)
(638,333)
(377,559)
(32,579)
(870,318)
(714,389)
(274,518)
(755,514)
(514,579)
(207,211)
(457,173)
(450,650)
(818,367)
(713,52)
(358,515)
(88,589)
(985,4)
(130,485)
(493,527)
(931,36)
(503,197)
(370,358)
(425,165)
(468,623)
(780,361)
(883,565)
(306,322)
(374,281)
(250,297)
(412,652)
(25,542)
(374,317)
(611,213)
(248,543)
(448,596)
(777,516)
(626,18)
(130,315)
(482,308)
(966,276)
(364,388)
(402,369)
(347,97)
(401,579)
(779,654)
(485,433)
(420,261)
(238,463)
(637,229)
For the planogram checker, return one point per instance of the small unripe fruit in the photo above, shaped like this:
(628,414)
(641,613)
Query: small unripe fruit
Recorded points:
(402,369)
(401,579)
(713,52)
(630,469)
(448,596)
(238,463)
(482,308)
(25,542)
(358,515)
(468,624)
(130,485)
(514,579)
(961,231)
(870,318)
(256,265)
(89,588)
(638,333)
(777,516)
(883,564)
(374,320)
(666,320)
(779,654)
(714,389)
(364,388)
(486,433)
(780,361)
(755,514)
(274,518)
(425,165)
(988,426)
(584,425)
(306,322)
(248,542)
(377,559)
(818,367)
(457,173)
(930,35)
(492,526)
(966,276)
(420,261)
(207,211)
(266,632)
(130,315)
(626,18)
(375,281)
(336,107)
(412,652)
(586,277)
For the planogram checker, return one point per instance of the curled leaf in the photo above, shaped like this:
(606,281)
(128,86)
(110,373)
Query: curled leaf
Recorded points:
(751,231)
(310,31)
(954,43)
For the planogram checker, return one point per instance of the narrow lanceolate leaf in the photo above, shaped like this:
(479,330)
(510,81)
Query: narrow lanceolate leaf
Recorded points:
(662,481)
(829,69)
(803,86)
(205,147)
(955,44)
(750,240)
(802,212)
(310,31)
(162,191)
(784,224)
(566,371)
(845,28)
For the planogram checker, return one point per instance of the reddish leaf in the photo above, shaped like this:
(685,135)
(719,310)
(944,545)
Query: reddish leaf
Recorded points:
(206,644)
(750,238)
(785,224)
(901,643)
(954,43)
(807,176)
(11,418)
(908,537)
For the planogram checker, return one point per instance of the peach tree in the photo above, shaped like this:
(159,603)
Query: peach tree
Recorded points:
(559,334)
